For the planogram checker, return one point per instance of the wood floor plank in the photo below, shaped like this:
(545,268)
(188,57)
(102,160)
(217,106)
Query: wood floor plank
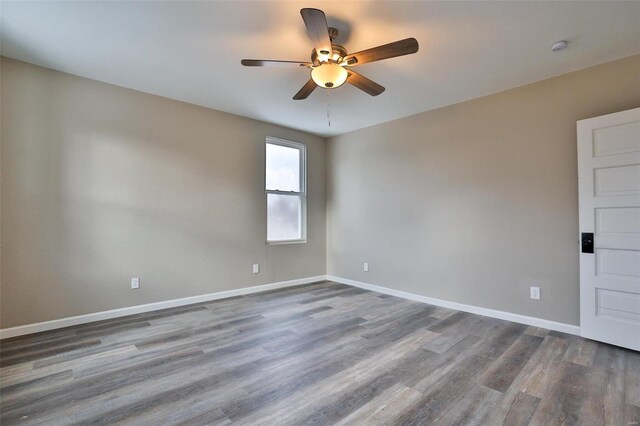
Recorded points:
(631,415)
(445,341)
(339,407)
(316,354)
(632,378)
(539,374)
(609,358)
(383,409)
(299,405)
(75,392)
(44,352)
(449,361)
(494,345)
(471,407)
(580,351)
(613,398)
(34,385)
(452,386)
(522,409)
(577,394)
(536,331)
(504,370)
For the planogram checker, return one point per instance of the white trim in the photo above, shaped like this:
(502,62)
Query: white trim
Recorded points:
(508,316)
(302,193)
(121,312)
(281,242)
(130,310)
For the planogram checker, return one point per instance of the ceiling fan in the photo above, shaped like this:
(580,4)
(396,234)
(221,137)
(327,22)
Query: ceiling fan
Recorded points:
(331,64)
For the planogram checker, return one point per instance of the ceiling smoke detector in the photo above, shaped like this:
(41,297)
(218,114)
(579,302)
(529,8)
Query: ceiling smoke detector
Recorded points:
(559,45)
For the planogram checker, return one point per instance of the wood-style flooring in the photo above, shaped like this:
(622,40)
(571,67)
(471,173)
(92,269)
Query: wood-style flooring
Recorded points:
(318,354)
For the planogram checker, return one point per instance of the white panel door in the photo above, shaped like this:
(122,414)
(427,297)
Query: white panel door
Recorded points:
(609,187)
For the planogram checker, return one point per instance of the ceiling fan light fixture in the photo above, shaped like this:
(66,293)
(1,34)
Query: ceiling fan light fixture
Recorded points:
(329,75)
(329,61)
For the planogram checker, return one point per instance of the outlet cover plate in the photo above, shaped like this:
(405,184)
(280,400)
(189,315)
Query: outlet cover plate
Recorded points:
(535,293)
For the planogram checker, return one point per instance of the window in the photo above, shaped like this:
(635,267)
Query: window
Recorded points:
(285,184)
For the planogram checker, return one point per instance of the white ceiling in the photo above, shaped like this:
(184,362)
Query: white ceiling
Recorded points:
(191,51)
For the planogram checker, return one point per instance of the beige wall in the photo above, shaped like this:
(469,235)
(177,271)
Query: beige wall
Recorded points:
(470,203)
(101,184)
(475,202)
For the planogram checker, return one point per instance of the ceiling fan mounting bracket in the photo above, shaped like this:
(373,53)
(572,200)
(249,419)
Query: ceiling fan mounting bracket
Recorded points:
(340,50)
(333,33)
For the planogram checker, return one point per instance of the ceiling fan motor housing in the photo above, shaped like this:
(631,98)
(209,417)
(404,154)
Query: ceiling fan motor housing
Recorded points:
(339,52)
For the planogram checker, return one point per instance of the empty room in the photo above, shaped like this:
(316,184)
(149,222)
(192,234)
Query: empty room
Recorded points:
(320,213)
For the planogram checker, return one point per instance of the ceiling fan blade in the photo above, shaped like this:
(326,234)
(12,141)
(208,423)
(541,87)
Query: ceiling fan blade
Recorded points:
(269,63)
(386,51)
(318,31)
(364,84)
(306,90)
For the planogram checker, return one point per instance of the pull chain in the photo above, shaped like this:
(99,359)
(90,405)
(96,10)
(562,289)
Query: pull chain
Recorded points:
(328,107)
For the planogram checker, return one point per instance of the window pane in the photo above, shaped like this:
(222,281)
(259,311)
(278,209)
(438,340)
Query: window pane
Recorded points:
(283,217)
(283,168)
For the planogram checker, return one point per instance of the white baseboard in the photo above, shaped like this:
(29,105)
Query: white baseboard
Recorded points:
(121,312)
(508,316)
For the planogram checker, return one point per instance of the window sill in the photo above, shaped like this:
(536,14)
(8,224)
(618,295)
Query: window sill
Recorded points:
(279,243)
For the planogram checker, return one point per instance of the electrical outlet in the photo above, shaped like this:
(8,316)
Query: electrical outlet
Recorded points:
(535,293)
(135,283)
(256,268)
(365,267)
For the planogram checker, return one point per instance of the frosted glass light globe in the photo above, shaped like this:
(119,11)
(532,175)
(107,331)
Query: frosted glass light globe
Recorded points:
(329,75)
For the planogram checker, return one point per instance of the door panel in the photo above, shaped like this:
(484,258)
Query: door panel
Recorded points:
(618,222)
(609,188)
(618,263)
(616,139)
(618,305)
(621,180)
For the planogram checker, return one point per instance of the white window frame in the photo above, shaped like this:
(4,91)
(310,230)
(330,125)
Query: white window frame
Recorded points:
(302,194)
